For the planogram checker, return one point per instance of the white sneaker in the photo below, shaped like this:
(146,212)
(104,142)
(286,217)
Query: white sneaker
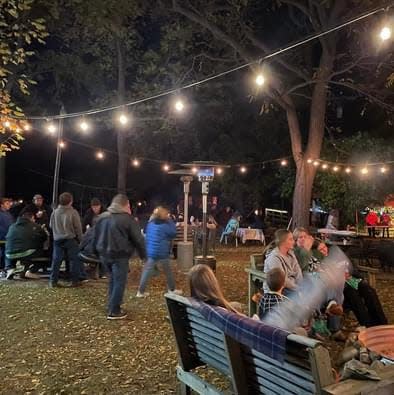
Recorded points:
(31,275)
(176,292)
(142,295)
(10,274)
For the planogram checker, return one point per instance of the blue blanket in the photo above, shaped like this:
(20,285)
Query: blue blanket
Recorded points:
(266,339)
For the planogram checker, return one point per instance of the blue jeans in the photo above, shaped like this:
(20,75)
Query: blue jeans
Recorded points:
(149,269)
(117,283)
(71,248)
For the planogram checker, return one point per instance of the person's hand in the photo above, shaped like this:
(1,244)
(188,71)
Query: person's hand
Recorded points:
(39,214)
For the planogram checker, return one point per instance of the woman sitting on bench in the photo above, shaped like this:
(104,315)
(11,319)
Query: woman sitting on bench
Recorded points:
(205,287)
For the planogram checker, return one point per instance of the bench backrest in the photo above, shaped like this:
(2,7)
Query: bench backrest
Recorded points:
(307,366)
(257,261)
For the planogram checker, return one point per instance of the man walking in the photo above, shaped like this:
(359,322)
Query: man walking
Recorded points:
(116,237)
(67,233)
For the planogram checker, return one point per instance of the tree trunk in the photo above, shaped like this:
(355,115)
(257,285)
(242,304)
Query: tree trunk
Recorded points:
(121,132)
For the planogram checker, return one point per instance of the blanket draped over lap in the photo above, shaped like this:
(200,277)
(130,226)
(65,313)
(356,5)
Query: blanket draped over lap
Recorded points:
(255,334)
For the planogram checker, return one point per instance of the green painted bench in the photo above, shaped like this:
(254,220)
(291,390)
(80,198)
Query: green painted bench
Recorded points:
(306,369)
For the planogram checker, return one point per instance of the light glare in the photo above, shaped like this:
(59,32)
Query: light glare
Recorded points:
(243,169)
(385,33)
(348,170)
(51,128)
(166,167)
(100,155)
(260,80)
(335,168)
(179,106)
(324,166)
(283,162)
(123,119)
(219,170)
(316,163)
(364,170)
(136,162)
(84,126)
(383,169)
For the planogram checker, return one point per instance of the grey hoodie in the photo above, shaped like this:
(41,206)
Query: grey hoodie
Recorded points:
(66,223)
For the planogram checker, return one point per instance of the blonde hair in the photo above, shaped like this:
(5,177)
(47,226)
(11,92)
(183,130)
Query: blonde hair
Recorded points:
(279,238)
(297,231)
(160,213)
(205,287)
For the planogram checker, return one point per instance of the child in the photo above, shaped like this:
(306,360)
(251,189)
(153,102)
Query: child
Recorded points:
(276,279)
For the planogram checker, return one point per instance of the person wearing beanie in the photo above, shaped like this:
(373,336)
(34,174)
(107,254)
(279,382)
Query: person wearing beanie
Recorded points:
(92,214)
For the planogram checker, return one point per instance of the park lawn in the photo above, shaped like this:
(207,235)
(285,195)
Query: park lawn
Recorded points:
(59,340)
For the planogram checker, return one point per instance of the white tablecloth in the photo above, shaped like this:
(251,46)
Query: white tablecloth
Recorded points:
(250,234)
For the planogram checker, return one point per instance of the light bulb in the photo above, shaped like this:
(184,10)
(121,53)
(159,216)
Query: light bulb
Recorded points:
(136,162)
(283,162)
(84,126)
(335,168)
(364,170)
(7,124)
(243,169)
(166,167)
(123,119)
(26,127)
(348,170)
(309,161)
(324,166)
(385,33)
(315,163)
(179,106)
(51,128)
(62,144)
(139,204)
(260,80)
(383,169)
(194,170)
(100,155)
(219,170)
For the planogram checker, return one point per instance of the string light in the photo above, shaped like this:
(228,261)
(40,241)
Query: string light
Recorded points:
(166,167)
(324,166)
(51,128)
(179,105)
(348,170)
(100,155)
(385,33)
(383,169)
(283,162)
(136,162)
(335,168)
(364,171)
(123,119)
(243,169)
(62,144)
(316,163)
(7,124)
(26,127)
(84,126)
(260,80)
(219,170)
(139,204)
(309,161)
(194,170)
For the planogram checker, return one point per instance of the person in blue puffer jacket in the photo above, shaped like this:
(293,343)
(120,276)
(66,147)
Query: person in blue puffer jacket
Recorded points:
(160,230)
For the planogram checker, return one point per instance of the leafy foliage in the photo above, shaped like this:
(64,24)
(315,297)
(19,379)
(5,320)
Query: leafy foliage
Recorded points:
(18,31)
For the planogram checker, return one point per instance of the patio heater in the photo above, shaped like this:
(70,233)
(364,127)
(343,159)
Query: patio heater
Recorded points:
(185,247)
(205,172)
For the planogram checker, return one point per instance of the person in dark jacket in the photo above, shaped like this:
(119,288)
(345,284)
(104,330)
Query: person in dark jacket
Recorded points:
(24,241)
(116,237)
(92,214)
(160,231)
(41,211)
(6,219)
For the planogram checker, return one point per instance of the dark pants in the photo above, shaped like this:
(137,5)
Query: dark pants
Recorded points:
(2,256)
(365,304)
(371,232)
(118,270)
(60,249)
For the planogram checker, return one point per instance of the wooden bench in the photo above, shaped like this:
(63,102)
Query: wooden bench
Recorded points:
(306,368)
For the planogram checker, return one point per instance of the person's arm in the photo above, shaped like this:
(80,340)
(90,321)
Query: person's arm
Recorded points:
(170,229)
(136,238)
(76,220)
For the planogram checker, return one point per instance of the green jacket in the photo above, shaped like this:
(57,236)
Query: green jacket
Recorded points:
(24,235)
(303,257)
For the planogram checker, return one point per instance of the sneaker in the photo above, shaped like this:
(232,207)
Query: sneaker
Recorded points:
(53,285)
(117,316)
(31,275)
(175,292)
(142,294)
(10,274)
(84,281)
(103,277)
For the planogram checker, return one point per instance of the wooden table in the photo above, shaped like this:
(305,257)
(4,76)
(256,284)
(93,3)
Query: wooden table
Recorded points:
(253,275)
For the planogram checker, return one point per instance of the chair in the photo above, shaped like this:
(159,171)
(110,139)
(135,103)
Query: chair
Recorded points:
(230,231)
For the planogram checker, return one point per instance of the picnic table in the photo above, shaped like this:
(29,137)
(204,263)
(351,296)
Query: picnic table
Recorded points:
(245,234)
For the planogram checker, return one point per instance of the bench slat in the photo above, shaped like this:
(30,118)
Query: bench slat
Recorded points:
(197,325)
(209,360)
(216,348)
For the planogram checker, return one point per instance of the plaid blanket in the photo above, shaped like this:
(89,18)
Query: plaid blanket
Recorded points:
(255,334)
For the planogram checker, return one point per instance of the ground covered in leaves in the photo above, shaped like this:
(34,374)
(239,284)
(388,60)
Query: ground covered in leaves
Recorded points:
(59,340)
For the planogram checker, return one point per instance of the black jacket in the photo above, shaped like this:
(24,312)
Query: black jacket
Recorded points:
(90,218)
(24,235)
(117,235)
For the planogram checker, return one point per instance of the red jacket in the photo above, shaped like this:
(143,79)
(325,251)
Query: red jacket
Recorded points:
(372,218)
